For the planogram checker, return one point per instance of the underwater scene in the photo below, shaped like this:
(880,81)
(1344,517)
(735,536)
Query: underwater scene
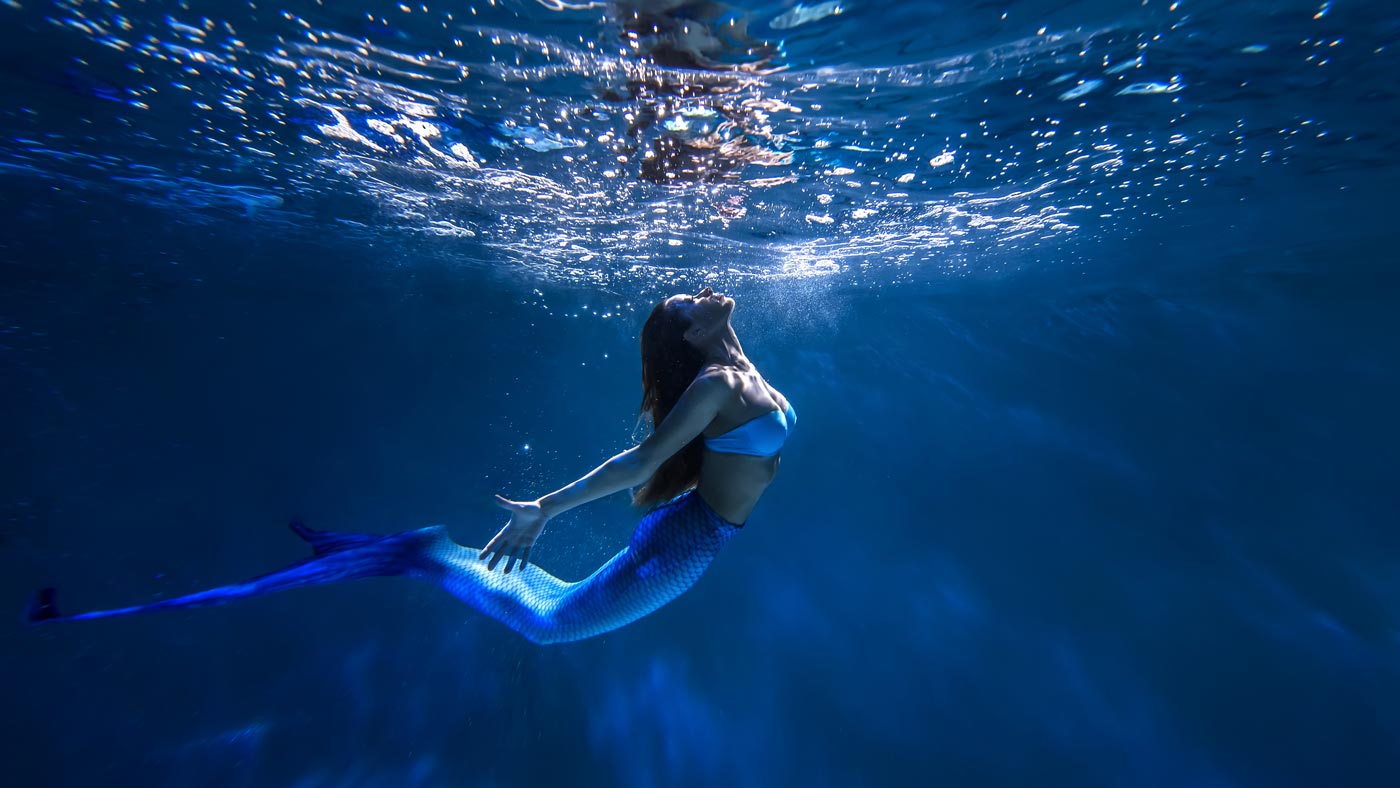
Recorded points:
(876,393)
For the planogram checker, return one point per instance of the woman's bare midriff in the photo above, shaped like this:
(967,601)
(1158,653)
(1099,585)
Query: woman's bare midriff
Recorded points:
(732,483)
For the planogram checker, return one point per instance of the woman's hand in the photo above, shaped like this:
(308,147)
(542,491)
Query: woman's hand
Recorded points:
(514,541)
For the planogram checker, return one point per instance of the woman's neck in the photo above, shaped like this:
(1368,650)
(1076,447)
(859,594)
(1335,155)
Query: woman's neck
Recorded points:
(724,349)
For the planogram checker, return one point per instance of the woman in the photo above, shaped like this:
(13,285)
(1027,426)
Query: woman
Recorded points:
(714,450)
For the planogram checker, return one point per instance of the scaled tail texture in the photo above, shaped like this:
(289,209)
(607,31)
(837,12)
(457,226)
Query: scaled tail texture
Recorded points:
(668,552)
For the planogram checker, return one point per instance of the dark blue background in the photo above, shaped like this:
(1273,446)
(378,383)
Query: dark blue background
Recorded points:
(1130,526)
(1113,510)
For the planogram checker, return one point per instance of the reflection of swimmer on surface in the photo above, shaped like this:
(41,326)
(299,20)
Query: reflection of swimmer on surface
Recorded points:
(690,34)
(696,118)
(718,430)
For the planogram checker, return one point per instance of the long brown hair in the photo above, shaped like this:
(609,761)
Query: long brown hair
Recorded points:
(669,364)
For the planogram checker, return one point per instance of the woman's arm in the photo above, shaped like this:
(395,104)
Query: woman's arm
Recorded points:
(695,409)
(620,472)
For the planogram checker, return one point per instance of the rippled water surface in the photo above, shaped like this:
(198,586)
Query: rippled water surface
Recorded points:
(602,142)
(1089,310)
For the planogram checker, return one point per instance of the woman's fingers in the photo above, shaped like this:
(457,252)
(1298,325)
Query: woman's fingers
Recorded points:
(507,550)
(516,555)
(493,544)
(516,551)
(522,556)
(496,559)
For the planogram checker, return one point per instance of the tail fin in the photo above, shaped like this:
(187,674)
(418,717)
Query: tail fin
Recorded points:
(42,607)
(339,556)
(327,542)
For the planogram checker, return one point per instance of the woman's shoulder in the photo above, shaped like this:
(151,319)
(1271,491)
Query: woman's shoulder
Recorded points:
(728,376)
(745,384)
(716,380)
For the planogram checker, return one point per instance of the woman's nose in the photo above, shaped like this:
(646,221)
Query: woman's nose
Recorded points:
(705,292)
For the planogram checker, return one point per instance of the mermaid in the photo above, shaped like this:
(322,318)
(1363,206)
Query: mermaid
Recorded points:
(718,427)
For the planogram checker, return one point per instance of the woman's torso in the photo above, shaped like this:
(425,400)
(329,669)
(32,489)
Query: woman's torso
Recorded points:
(732,483)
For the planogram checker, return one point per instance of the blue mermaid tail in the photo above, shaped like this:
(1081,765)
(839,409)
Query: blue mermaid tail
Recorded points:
(668,552)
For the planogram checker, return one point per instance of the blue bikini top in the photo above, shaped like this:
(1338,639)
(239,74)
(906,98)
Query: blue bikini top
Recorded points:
(763,436)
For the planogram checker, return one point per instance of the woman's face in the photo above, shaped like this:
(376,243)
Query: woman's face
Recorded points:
(706,311)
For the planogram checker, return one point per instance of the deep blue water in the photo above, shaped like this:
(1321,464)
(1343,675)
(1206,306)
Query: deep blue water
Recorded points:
(1089,310)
